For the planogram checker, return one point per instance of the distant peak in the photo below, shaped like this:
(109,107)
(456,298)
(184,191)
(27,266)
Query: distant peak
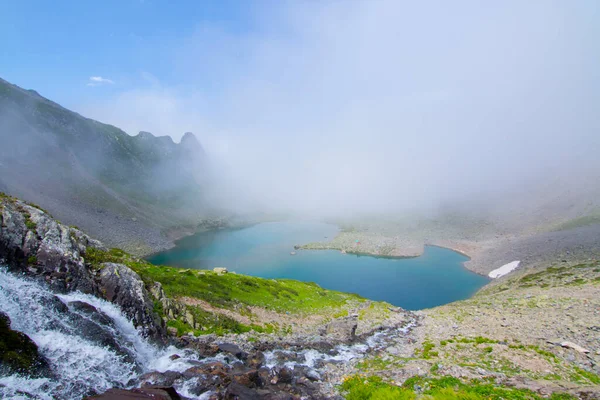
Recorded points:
(145,135)
(190,141)
(189,137)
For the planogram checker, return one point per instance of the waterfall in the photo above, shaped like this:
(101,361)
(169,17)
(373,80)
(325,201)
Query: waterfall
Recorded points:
(90,345)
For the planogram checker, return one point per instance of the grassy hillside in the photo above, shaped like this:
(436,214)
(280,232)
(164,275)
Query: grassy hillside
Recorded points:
(206,302)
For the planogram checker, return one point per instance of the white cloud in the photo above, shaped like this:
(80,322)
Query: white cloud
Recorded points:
(98,80)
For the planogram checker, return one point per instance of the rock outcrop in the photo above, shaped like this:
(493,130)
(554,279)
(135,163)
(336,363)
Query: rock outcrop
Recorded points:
(122,286)
(32,242)
(18,352)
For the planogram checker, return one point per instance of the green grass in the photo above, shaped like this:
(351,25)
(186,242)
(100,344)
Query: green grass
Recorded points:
(426,352)
(578,222)
(476,340)
(444,388)
(373,387)
(559,276)
(374,364)
(581,375)
(229,290)
(28,222)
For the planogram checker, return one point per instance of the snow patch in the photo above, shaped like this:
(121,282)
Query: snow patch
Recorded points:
(505,269)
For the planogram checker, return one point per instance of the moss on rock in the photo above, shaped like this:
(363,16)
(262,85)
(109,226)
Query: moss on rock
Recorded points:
(18,352)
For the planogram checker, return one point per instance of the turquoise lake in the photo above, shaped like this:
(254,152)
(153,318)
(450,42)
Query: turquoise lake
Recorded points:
(437,277)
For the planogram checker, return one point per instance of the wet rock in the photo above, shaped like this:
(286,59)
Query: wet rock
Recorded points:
(235,391)
(30,236)
(233,350)
(285,375)
(213,368)
(300,370)
(256,360)
(248,378)
(18,352)
(122,286)
(101,335)
(91,312)
(306,387)
(31,241)
(153,393)
(205,349)
(264,375)
(156,378)
(203,383)
(288,356)
(313,375)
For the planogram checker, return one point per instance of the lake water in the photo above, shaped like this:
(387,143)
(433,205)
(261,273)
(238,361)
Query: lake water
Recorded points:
(437,277)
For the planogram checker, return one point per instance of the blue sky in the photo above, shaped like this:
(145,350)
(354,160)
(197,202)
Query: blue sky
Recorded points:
(443,97)
(56,46)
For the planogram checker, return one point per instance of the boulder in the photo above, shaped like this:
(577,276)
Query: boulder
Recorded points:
(31,241)
(285,375)
(234,350)
(576,347)
(122,286)
(343,329)
(249,378)
(235,391)
(155,378)
(91,312)
(256,360)
(214,368)
(313,375)
(150,393)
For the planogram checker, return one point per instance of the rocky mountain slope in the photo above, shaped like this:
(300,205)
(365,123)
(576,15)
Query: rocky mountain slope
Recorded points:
(126,190)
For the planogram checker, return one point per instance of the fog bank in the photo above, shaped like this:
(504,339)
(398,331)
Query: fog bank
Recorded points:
(340,107)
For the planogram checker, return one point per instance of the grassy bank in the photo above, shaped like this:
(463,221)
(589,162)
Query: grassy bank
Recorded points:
(231,295)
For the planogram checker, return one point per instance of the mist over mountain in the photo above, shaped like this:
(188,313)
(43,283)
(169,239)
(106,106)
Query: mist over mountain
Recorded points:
(348,107)
(96,176)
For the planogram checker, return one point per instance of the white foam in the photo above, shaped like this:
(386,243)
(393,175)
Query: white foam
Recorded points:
(81,367)
(505,269)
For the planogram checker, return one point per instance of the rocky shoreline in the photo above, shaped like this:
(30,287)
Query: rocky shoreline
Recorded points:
(485,255)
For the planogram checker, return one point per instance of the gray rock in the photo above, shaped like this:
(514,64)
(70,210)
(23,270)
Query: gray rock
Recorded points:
(313,375)
(343,329)
(32,242)
(233,350)
(237,391)
(122,286)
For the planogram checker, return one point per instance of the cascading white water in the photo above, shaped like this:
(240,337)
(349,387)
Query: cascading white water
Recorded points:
(80,358)
(91,346)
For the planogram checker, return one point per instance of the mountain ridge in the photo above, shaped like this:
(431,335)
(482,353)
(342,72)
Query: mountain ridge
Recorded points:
(78,167)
